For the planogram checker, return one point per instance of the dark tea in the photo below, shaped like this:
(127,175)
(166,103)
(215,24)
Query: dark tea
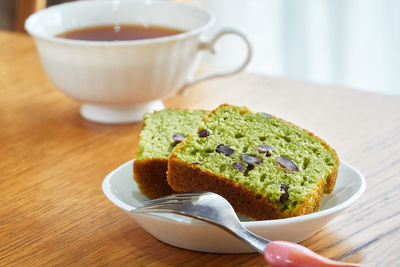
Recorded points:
(119,33)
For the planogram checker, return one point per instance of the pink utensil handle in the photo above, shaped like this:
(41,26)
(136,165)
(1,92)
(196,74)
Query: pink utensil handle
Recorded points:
(287,254)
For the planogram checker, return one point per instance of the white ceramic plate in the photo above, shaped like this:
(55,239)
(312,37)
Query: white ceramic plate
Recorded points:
(188,233)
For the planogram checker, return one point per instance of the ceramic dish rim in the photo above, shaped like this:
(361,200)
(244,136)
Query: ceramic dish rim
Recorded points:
(106,185)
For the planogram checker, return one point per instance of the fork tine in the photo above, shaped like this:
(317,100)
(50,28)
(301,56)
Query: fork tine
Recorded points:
(175,197)
(163,201)
(162,207)
(147,209)
(190,194)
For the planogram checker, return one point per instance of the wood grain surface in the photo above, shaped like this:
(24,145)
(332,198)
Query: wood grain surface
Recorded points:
(53,210)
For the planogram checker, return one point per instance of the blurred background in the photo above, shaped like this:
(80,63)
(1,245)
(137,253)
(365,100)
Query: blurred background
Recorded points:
(351,43)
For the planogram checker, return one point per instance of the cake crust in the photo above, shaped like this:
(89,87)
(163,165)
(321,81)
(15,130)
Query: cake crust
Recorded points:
(150,176)
(150,171)
(184,176)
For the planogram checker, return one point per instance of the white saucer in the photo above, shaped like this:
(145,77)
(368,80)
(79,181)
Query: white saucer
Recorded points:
(121,189)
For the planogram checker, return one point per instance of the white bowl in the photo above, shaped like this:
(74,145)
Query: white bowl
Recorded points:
(121,189)
(118,81)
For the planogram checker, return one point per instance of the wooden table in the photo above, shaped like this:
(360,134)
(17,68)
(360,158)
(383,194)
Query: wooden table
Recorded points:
(53,211)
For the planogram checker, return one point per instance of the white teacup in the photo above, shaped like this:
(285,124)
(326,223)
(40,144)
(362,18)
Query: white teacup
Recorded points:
(118,81)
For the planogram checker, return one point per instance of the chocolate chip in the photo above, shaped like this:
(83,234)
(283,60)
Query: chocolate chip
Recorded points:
(225,150)
(203,133)
(178,138)
(285,195)
(264,114)
(287,163)
(238,166)
(251,159)
(265,149)
(250,168)
(258,196)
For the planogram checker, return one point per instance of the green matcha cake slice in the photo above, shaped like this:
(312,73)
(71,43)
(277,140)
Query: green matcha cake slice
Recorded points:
(161,132)
(265,167)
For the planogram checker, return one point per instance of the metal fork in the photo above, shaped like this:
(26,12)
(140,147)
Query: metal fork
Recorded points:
(213,208)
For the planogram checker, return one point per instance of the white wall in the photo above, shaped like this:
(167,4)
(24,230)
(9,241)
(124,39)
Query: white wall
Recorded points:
(353,43)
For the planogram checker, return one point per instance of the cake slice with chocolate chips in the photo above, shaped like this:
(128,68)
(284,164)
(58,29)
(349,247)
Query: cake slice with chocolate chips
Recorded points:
(161,132)
(265,167)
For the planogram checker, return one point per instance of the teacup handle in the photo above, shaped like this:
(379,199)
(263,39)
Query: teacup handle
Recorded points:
(210,45)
